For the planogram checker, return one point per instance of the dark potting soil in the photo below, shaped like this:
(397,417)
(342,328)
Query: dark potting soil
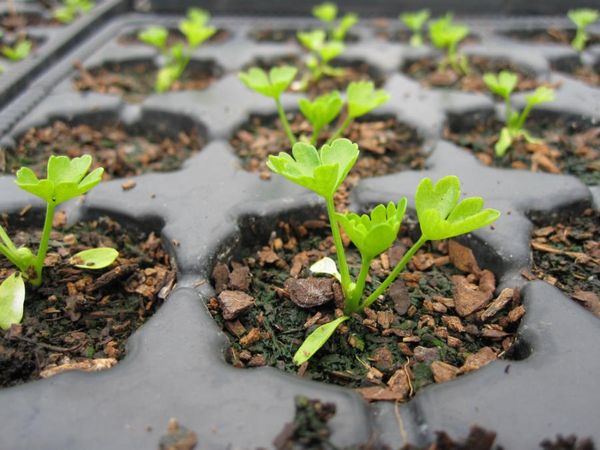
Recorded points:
(354,71)
(80,319)
(566,254)
(388,32)
(438,321)
(568,146)
(386,145)
(426,71)
(121,152)
(12,22)
(550,36)
(286,35)
(585,73)
(135,80)
(174,37)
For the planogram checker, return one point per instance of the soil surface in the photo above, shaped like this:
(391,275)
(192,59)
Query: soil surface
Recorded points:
(386,145)
(390,32)
(426,71)
(354,71)
(135,81)
(439,320)
(550,36)
(286,35)
(175,37)
(566,254)
(80,319)
(585,73)
(121,152)
(567,147)
(10,22)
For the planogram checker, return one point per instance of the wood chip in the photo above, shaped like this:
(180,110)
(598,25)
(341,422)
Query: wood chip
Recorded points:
(128,185)
(589,299)
(462,257)
(90,365)
(476,361)
(234,303)
(496,306)
(252,337)
(310,292)
(443,372)
(469,297)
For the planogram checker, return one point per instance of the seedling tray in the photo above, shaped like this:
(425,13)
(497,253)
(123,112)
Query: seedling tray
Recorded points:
(175,365)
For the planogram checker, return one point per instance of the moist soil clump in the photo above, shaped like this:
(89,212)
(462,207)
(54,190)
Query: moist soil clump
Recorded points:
(550,36)
(121,152)
(566,254)
(386,145)
(135,81)
(566,147)
(174,37)
(286,35)
(439,320)
(355,70)
(426,71)
(80,319)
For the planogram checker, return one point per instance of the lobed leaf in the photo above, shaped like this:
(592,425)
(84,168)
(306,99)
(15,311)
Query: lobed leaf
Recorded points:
(542,94)
(415,20)
(312,40)
(583,17)
(155,36)
(327,12)
(502,84)
(272,84)
(363,98)
(347,22)
(322,110)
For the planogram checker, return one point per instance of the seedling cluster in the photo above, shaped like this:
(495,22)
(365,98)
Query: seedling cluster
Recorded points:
(582,18)
(16,52)
(447,35)
(70,9)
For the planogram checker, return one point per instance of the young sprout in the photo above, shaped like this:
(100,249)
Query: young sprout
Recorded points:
(362,98)
(19,51)
(582,18)
(66,179)
(177,57)
(441,216)
(446,35)
(322,53)
(503,85)
(327,13)
(415,21)
(71,8)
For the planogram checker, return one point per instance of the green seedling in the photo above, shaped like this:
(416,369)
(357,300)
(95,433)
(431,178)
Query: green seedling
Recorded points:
(582,18)
(503,85)
(441,216)
(361,97)
(415,21)
(446,35)
(322,52)
(66,179)
(71,9)
(19,51)
(327,12)
(177,56)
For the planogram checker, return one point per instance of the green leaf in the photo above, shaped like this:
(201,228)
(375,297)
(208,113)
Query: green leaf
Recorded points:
(66,179)
(155,36)
(198,15)
(322,171)
(94,258)
(327,266)
(363,98)
(331,50)
(12,298)
(19,52)
(312,40)
(196,33)
(347,22)
(374,234)
(542,94)
(502,84)
(583,17)
(165,78)
(271,85)
(445,34)
(323,110)
(327,12)
(64,15)
(415,20)
(316,340)
(504,142)
(440,214)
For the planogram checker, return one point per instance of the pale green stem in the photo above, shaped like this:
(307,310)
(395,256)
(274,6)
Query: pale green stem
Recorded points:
(353,304)
(43,249)
(340,130)
(284,122)
(508,109)
(392,276)
(315,136)
(339,247)
(524,115)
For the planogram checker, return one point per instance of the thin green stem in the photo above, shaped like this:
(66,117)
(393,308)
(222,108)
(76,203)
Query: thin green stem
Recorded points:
(340,130)
(524,115)
(315,136)
(43,249)
(508,109)
(394,274)
(339,248)
(353,304)
(284,122)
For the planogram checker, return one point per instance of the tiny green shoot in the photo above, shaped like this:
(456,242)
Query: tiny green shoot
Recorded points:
(446,35)
(66,179)
(582,18)
(322,52)
(71,8)
(327,13)
(503,85)
(441,216)
(415,21)
(19,51)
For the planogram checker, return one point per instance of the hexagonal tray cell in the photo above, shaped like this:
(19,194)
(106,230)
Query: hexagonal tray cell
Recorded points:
(158,142)
(287,35)
(356,70)
(81,319)
(383,29)
(175,36)
(551,35)
(387,145)
(569,143)
(426,329)
(566,254)
(426,71)
(574,67)
(134,79)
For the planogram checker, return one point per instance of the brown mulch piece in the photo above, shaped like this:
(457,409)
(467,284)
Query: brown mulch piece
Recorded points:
(10,22)
(426,71)
(286,35)
(135,80)
(121,152)
(387,146)
(66,324)
(571,442)
(175,37)
(355,70)
(386,355)
(551,35)
(566,253)
(567,147)
(178,437)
